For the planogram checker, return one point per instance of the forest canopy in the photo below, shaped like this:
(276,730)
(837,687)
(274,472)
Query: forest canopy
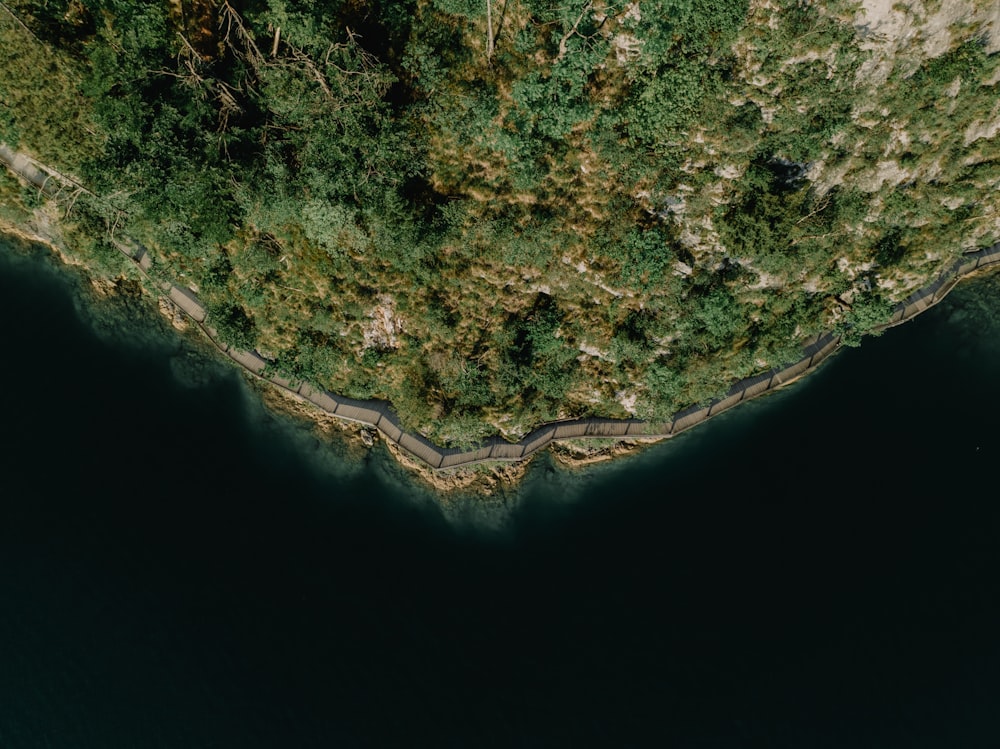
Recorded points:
(497,213)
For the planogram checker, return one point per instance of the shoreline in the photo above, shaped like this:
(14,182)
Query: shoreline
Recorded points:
(445,462)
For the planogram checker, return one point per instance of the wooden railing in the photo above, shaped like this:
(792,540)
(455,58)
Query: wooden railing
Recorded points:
(379,414)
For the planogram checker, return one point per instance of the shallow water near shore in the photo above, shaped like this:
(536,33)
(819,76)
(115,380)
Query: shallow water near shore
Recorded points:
(180,567)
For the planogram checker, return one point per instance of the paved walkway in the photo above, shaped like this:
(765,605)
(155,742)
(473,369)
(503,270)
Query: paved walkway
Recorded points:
(379,414)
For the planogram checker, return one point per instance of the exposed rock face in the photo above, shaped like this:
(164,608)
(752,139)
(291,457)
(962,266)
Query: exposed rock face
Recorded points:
(383,326)
(173,313)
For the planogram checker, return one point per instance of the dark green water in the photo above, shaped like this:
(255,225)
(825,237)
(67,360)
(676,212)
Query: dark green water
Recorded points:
(180,569)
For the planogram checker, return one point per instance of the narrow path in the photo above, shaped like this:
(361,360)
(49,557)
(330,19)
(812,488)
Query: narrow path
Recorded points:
(379,414)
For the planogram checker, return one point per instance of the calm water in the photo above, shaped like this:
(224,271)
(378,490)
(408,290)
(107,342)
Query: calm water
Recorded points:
(180,569)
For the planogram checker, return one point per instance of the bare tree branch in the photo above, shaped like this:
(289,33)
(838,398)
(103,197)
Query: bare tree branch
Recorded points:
(233,22)
(489,30)
(565,40)
(503,17)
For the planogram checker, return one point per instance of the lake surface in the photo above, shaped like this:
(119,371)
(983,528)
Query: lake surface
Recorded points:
(179,568)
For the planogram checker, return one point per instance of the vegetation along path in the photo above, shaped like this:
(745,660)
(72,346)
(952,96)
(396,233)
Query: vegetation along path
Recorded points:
(379,414)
